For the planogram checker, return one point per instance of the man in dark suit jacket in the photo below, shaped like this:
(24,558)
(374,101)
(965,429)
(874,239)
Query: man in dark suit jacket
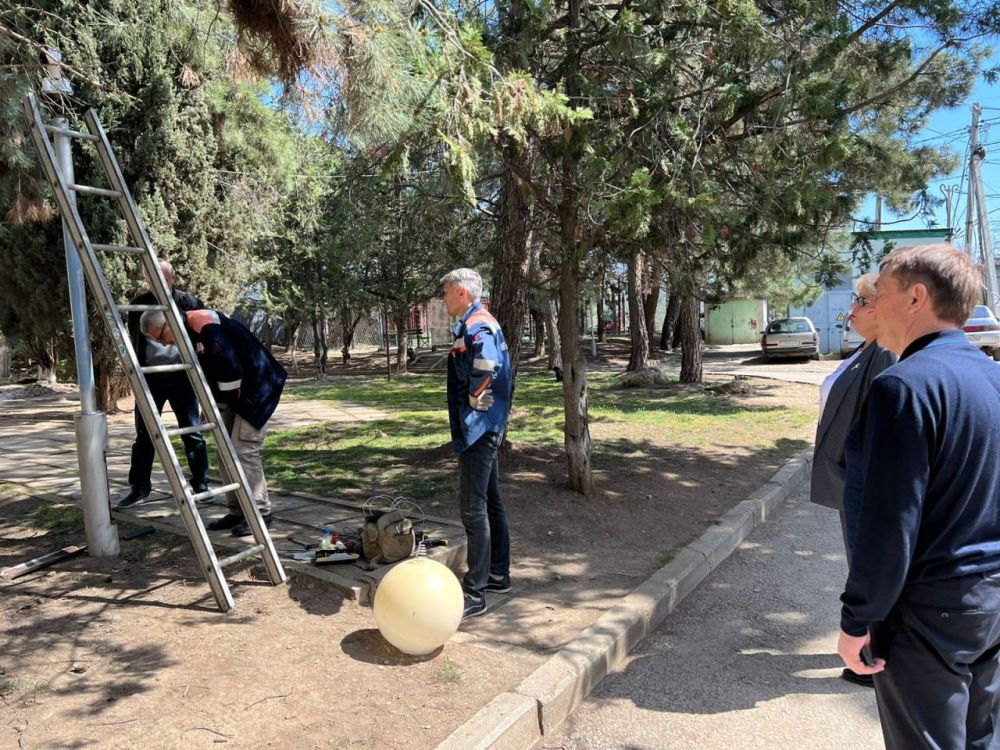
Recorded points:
(923,494)
(173,387)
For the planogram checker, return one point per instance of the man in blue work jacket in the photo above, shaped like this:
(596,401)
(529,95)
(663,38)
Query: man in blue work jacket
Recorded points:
(479,394)
(246,382)
(921,608)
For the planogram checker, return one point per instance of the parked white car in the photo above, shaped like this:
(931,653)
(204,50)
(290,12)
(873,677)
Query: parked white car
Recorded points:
(983,330)
(790,337)
(849,340)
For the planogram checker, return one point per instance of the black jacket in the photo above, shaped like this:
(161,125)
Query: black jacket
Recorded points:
(240,371)
(843,406)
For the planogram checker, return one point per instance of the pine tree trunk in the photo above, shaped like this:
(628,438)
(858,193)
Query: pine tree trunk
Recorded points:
(538,321)
(600,309)
(4,359)
(293,341)
(267,338)
(638,332)
(45,367)
(670,321)
(649,304)
(552,326)
(349,324)
(508,301)
(401,342)
(691,371)
(320,349)
(577,428)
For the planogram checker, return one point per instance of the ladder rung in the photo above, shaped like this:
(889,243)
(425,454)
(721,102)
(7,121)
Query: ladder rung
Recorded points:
(90,190)
(71,133)
(253,551)
(215,492)
(175,431)
(159,369)
(140,308)
(118,249)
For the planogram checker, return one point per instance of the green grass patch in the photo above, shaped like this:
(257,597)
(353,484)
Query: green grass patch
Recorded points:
(57,517)
(448,673)
(409,450)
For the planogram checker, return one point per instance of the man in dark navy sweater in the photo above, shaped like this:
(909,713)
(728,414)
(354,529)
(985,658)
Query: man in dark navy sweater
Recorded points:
(922,600)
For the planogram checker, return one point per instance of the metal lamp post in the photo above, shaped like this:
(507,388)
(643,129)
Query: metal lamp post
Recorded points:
(91,424)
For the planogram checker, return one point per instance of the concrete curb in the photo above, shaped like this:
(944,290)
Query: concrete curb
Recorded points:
(519,720)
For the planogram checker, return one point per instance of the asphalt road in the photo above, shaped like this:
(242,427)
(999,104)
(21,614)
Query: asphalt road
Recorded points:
(747,661)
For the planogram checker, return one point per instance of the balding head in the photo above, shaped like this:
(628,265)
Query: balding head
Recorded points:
(168,274)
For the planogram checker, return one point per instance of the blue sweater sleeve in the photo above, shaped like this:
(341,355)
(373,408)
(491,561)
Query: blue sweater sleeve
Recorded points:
(896,435)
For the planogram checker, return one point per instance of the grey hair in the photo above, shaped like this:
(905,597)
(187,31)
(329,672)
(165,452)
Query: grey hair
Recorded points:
(152,320)
(866,285)
(467,279)
(166,263)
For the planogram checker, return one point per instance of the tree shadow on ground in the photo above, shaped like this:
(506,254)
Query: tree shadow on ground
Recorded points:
(765,647)
(67,612)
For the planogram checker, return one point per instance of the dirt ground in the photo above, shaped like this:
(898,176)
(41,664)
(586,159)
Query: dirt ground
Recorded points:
(131,652)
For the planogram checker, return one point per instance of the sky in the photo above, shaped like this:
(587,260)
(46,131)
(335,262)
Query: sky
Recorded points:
(951,127)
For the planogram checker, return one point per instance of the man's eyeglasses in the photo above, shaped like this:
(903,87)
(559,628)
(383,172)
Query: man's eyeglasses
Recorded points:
(159,336)
(857,299)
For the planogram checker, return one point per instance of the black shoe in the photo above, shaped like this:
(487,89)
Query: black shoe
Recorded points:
(197,489)
(498,584)
(474,606)
(243,528)
(136,496)
(864,680)
(228,521)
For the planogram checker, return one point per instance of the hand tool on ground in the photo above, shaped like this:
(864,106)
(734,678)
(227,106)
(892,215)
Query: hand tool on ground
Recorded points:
(304,545)
(9,574)
(136,533)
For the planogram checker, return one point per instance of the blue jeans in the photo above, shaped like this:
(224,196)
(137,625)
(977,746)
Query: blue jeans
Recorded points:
(483,513)
(178,391)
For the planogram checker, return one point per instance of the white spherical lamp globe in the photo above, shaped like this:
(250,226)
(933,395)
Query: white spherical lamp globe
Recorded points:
(418,606)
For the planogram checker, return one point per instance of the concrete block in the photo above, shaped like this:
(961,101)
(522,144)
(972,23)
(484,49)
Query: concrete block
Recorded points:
(668,586)
(508,722)
(567,678)
(556,687)
(716,544)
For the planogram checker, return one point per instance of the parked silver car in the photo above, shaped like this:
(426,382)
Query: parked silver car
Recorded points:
(849,340)
(983,330)
(790,337)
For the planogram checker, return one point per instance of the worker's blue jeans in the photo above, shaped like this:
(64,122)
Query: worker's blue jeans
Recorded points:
(483,514)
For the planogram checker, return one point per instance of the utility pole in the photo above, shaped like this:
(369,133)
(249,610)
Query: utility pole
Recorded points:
(971,198)
(976,155)
(948,191)
(91,424)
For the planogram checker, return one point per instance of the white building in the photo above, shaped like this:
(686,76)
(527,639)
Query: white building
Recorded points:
(829,312)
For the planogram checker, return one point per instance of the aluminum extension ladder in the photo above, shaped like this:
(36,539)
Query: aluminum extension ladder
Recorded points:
(234,479)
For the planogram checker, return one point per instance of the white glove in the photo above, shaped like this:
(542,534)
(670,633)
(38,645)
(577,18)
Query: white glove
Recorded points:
(483,401)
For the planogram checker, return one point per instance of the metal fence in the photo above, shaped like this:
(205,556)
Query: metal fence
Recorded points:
(432,329)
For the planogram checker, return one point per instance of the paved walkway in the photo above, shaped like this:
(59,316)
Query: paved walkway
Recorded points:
(736,359)
(762,675)
(38,452)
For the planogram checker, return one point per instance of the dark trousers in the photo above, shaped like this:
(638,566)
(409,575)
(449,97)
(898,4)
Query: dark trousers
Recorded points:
(483,514)
(178,391)
(941,685)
